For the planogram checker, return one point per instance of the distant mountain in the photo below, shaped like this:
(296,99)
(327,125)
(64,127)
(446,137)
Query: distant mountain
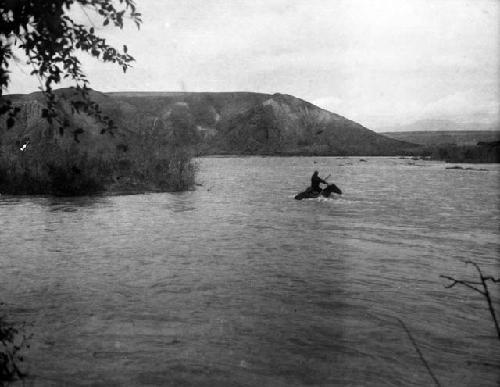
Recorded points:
(214,123)
(439,125)
(450,137)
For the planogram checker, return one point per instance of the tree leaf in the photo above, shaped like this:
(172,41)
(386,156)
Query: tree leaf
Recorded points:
(10,122)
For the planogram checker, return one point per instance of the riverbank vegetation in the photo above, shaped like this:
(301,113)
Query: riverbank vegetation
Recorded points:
(75,155)
(13,342)
(482,152)
(34,160)
(48,168)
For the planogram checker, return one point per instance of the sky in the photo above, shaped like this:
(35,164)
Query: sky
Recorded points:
(378,62)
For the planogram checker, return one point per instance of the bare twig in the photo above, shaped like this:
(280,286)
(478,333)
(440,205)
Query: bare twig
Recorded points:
(415,345)
(86,14)
(465,283)
(485,292)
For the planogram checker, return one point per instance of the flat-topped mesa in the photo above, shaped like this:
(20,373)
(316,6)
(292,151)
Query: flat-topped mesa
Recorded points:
(234,122)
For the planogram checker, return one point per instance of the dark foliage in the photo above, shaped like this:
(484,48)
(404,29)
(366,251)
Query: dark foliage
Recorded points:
(483,152)
(46,168)
(50,37)
(50,170)
(12,344)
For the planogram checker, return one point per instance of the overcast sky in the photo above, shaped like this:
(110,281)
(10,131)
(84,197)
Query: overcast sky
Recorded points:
(378,62)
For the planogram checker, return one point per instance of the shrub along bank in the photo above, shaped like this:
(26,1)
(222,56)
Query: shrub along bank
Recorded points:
(48,168)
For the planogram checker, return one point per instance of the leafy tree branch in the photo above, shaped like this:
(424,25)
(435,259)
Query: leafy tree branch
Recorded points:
(50,38)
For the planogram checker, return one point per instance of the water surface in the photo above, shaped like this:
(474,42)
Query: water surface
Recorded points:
(238,284)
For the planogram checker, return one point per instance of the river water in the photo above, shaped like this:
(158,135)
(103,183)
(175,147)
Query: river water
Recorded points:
(238,284)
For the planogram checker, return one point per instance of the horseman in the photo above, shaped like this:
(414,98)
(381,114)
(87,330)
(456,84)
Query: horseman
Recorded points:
(315,182)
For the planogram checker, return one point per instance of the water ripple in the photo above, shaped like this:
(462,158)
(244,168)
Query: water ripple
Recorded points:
(246,286)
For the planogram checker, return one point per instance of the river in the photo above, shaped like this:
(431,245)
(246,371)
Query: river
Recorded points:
(238,284)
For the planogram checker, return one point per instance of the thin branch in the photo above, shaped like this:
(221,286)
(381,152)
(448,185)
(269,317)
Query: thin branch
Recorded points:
(86,14)
(489,278)
(485,292)
(462,282)
(429,370)
(477,268)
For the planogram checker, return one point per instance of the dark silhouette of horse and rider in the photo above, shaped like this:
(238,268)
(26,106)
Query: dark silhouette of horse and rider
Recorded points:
(315,190)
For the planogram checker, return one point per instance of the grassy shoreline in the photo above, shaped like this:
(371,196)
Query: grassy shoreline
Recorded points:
(51,170)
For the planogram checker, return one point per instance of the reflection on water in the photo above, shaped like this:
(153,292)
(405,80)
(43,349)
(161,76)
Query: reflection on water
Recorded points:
(236,283)
(75,204)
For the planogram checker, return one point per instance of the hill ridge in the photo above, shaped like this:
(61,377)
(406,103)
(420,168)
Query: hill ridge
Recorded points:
(237,122)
